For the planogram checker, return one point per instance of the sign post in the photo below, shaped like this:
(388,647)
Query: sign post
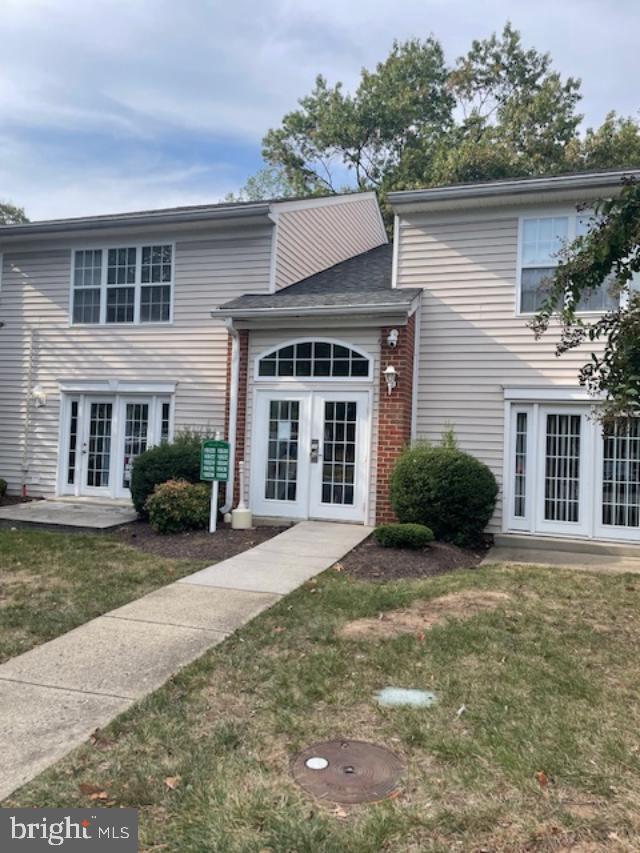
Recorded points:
(214,466)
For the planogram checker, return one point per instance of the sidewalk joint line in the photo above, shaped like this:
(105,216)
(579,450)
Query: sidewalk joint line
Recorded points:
(71,689)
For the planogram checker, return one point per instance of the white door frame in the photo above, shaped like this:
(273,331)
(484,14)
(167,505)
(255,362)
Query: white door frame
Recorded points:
(307,394)
(119,402)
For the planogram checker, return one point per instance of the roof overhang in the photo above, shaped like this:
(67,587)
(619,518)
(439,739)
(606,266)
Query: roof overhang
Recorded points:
(188,217)
(560,188)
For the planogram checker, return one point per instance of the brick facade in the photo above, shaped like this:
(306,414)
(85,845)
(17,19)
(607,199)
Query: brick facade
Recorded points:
(241,420)
(394,412)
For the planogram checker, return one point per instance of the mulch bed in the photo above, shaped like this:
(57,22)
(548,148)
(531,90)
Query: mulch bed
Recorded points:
(10,500)
(195,545)
(370,561)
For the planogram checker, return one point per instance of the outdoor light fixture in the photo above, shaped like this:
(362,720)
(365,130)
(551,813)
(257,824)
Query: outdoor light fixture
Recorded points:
(39,397)
(392,338)
(391,378)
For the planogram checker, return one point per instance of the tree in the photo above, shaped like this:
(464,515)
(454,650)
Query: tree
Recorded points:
(269,182)
(500,111)
(11,215)
(609,253)
(396,110)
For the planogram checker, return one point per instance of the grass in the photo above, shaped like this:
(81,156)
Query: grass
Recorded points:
(549,681)
(53,582)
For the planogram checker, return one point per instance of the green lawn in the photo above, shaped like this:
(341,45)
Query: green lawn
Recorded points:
(550,684)
(53,582)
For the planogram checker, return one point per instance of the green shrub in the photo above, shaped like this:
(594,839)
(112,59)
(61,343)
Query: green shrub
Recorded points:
(179,460)
(3,487)
(403,535)
(178,505)
(451,492)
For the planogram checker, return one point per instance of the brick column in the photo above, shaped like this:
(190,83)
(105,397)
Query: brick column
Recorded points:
(394,412)
(241,421)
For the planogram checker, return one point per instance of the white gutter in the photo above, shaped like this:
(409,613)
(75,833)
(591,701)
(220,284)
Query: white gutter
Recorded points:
(306,310)
(233,413)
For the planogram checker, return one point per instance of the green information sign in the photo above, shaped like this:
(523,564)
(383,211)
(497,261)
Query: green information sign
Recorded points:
(214,460)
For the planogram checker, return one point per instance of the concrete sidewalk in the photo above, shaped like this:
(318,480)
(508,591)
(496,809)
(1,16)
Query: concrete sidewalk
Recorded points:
(54,696)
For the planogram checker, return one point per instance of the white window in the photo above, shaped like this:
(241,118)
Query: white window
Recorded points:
(314,360)
(542,241)
(124,284)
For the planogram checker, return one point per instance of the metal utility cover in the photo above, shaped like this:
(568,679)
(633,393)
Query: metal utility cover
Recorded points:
(357,771)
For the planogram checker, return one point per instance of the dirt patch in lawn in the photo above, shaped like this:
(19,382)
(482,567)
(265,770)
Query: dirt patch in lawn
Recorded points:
(423,615)
(194,545)
(370,561)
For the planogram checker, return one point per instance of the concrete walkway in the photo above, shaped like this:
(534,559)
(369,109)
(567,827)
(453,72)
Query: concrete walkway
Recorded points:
(611,564)
(88,514)
(54,696)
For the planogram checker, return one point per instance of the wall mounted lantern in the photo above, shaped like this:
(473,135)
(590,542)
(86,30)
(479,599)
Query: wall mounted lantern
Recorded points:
(39,397)
(391,378)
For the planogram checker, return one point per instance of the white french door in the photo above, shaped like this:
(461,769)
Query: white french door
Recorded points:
(310,454)
(568,477)
(102,438)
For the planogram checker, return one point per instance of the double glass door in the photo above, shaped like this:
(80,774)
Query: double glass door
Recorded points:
(104,437)
(310,455)
(571,476)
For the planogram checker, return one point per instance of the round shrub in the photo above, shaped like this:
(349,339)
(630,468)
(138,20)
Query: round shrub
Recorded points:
(3,487)
(177,461)
(451,492)
(176,506)
(403,535)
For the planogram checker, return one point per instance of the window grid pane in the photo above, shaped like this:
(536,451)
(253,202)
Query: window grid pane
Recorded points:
(621,474)
(315,359)
(156,264)
(165,421)
(135,437)
(121,266)
(155,303)
(520,483)
(99,455)
(88,268)
(73,443)
(562,468)
(339,453)
(281,476)
(120,304)
(86,305)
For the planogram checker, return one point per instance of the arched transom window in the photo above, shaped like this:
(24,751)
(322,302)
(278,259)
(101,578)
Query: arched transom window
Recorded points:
(315,360)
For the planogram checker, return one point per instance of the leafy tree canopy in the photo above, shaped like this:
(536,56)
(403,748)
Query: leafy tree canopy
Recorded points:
(500,111)
(609,253)
(11,215)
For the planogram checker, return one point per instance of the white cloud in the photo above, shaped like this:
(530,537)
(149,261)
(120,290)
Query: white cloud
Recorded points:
(158,73)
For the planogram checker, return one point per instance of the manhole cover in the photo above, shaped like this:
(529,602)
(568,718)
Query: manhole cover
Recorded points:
(347,771)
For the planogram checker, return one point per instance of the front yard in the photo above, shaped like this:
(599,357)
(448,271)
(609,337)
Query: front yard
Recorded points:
(53,582)
(533,745)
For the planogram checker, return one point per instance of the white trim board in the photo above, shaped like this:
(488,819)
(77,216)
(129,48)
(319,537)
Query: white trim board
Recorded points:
(115,386)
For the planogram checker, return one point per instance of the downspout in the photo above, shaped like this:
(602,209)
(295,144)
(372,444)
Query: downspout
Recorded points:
(233,412)
(27,413)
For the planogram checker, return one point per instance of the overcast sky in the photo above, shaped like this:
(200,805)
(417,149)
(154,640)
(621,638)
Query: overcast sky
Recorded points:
(109,105)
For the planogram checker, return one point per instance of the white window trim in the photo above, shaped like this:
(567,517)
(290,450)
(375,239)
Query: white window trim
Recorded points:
(138,285)
(304,380)
(572,215)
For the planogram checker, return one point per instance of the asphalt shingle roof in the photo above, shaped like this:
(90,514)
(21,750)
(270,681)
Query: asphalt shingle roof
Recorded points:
(359,281)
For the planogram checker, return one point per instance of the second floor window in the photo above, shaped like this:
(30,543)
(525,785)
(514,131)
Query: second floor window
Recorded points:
(129,284)
(542,241)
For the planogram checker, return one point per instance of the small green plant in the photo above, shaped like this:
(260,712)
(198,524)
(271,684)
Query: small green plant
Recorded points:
(399,535)
(3,487)
(176,506)
(179,460)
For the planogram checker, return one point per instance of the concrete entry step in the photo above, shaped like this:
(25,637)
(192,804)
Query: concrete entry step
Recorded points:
(572,546)
(60,514)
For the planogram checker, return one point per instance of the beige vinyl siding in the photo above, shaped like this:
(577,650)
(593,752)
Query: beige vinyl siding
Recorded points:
(368,339)
(192,351)
(310,239)
(471,341)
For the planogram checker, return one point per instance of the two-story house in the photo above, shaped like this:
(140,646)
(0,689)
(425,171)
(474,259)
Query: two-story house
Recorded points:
(107,340)
(320,349)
